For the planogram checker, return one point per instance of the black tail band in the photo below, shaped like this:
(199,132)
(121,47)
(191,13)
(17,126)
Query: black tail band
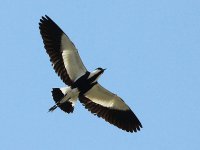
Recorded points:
(57,96)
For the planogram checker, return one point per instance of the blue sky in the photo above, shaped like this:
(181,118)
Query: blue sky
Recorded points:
(151,50)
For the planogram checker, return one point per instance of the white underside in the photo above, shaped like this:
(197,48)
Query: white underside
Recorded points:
(71,95)
(105,98)
(98,95)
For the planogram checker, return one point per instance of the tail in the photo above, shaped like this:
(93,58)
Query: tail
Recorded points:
(58,94)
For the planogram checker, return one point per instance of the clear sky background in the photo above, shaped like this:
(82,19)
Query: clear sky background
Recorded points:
(151,50)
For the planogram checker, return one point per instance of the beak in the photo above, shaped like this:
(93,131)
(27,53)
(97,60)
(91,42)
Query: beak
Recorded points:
(104,69)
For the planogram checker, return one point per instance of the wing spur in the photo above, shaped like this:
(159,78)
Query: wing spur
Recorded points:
(62,52)
(111,108)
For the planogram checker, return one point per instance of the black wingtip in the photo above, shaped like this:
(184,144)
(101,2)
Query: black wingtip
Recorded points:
(48,17)
(45,18)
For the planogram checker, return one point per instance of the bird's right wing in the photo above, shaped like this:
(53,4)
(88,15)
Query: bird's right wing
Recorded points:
(110,107)
(62,52)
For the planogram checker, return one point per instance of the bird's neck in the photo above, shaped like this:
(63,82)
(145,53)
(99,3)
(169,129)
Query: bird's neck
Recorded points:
(94,76)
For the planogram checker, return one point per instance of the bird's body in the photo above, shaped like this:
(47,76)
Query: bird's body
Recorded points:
(82,84)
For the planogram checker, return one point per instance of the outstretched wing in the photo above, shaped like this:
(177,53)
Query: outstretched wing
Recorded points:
(62,52)
(111,108)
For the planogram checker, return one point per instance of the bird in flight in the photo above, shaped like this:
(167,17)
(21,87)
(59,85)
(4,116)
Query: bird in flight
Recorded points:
(82,84)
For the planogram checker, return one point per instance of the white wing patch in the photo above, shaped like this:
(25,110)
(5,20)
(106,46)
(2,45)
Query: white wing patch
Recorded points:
(72,60)
(103,97)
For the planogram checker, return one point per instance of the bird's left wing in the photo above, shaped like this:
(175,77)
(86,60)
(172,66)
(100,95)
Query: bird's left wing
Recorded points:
(110,107)
(62,52)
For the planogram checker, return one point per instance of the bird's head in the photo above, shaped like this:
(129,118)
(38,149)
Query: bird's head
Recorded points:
(96,74)
(99,70)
